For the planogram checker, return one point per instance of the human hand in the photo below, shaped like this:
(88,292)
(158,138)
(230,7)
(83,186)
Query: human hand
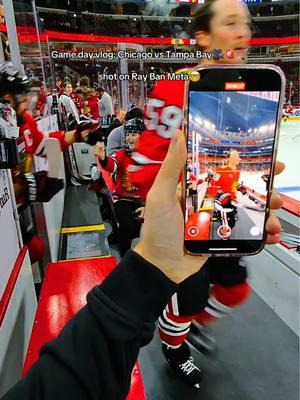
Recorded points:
(99,150)
(162,238)
(84,135)
(84,128)
(273,226)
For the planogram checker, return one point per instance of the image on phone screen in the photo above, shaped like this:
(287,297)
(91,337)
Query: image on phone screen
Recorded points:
(231,138)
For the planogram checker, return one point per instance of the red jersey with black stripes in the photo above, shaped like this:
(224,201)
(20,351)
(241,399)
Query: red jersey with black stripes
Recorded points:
(225,179)
(30,137)
(127,184)
(163,116)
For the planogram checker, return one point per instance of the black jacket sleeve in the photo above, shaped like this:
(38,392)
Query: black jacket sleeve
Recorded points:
(95,353)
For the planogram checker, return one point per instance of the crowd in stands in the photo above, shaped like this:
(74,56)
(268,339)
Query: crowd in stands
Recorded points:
(106,25)
(97,24)
(132,8)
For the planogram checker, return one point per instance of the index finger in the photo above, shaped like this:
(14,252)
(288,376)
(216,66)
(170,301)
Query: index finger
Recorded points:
(167,178)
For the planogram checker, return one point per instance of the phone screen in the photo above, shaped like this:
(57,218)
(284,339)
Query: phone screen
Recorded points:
(231,139)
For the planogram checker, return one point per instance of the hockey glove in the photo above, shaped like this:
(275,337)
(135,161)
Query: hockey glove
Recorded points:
(39,187)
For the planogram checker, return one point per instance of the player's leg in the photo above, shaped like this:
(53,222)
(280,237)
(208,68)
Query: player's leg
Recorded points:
(174,325)
(129,226)
(230,289)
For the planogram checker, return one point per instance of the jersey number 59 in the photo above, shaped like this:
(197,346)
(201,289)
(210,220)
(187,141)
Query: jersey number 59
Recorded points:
(165,122)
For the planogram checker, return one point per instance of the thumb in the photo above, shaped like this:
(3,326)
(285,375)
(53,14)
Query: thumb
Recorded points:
(279,167)
(167,178)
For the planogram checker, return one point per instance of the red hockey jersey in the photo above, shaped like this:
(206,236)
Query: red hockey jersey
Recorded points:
(31,134)
(41,103)
(91,107)
(28,142)
(163,116)
(225,179)
(77,101)
(127,184)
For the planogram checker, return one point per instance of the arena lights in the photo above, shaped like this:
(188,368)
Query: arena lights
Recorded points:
(263,129)
(199,120)
(207,124)
(249,130)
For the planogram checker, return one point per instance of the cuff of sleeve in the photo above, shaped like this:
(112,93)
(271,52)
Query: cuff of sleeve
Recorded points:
(139,287)
(104,162)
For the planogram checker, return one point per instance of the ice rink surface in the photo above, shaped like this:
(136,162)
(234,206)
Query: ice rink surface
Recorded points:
(288,182)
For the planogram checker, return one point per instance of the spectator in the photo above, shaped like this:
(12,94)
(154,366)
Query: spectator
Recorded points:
(129,200)
(116,138)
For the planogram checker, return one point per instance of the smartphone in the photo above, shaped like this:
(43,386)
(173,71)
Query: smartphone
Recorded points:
(232,122)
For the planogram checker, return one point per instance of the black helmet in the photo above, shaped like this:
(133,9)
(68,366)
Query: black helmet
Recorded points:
(134,112)
(134,125)
(13,82)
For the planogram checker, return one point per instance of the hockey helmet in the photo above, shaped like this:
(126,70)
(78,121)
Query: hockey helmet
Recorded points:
(13,82)
(134,125)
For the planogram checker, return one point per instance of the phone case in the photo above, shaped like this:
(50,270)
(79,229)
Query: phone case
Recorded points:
(200,68)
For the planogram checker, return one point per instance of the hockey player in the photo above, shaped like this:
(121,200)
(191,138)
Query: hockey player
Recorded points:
(287,113)
(221,284)
(223,188)
(91,103)
(66,103)
(129,196)
(116,137)
(30,187)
